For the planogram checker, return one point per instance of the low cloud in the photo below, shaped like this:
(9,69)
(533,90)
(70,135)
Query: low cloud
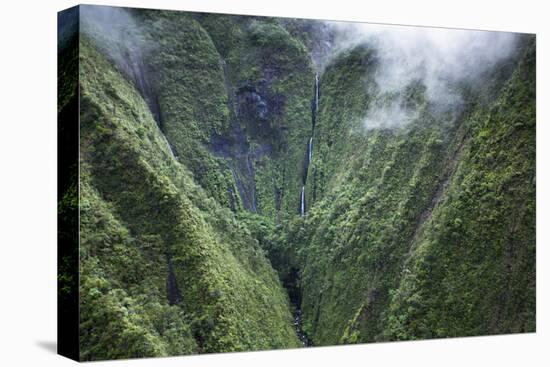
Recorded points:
(437,57)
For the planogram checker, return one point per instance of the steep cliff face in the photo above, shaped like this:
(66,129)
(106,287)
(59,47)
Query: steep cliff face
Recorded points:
(471,268)
(425,230)
(269,77)
(165,268)
(232,172)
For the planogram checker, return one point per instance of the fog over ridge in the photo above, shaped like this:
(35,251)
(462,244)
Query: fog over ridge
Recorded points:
(437,57)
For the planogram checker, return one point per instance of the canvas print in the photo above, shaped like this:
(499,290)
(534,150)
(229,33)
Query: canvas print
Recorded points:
(239,183)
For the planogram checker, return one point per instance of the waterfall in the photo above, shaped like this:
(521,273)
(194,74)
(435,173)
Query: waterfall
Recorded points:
(309,149)
(303,201)
(170,147)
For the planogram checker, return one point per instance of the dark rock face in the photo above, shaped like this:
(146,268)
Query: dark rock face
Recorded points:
(252,109)
(251,104)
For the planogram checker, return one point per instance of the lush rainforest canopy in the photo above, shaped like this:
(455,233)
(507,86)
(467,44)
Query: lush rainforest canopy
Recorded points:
(250,183)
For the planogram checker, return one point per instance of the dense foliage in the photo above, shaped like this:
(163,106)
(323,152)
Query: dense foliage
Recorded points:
(165,269)
(426,230)
(194,132)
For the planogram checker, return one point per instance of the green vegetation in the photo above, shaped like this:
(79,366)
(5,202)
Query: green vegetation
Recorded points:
(194,131)
(140,212)
(472,271)
(422,231)
(266,60)
(67,189)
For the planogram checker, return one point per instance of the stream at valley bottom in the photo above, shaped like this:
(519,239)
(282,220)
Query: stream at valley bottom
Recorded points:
(298,327)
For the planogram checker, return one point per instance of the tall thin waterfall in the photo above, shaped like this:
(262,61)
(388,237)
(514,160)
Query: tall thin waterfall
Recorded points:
(303,201)
(170,147)
(309,151)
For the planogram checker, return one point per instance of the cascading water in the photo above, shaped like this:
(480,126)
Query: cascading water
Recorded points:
(170,147)
(309,149)
(303,201)
(298,326)
(296,293)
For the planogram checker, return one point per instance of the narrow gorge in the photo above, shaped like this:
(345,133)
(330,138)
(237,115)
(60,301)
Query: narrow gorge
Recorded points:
(252,183)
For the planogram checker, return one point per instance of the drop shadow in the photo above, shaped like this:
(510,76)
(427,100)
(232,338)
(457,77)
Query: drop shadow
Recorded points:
(48,345)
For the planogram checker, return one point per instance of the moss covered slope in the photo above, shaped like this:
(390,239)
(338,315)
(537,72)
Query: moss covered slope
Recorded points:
(165,269)
(425,230)
(194,142)
(269,81)
(472,269)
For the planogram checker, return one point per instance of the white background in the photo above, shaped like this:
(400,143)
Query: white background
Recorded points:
(28,182)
